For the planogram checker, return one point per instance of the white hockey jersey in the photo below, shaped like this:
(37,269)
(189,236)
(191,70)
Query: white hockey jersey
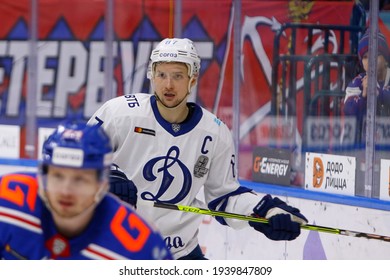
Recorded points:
(172,162)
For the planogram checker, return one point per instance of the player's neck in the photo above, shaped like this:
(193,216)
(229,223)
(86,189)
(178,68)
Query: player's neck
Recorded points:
(74,226)
(174,115)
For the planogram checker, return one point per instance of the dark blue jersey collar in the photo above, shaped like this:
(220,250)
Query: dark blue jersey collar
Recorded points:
(181,128)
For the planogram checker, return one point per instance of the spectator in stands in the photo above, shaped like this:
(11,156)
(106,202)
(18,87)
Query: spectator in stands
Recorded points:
(355,102)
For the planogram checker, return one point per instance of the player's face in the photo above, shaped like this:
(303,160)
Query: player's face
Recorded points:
(171,83)
(70,191)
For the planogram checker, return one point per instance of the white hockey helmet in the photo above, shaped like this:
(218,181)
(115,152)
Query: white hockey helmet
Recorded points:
(176,50)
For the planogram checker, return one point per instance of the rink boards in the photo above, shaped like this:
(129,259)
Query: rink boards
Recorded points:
(336,211)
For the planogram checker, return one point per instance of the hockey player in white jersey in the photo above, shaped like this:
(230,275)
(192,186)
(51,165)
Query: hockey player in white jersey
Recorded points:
(171,148)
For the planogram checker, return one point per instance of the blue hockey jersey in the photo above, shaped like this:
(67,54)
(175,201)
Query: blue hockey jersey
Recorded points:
(28,231)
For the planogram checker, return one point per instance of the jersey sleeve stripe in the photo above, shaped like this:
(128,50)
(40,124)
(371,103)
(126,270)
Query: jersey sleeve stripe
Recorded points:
(97,252)
(20,219)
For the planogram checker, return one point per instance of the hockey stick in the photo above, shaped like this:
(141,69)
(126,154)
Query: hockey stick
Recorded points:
(203,211)
(14,253)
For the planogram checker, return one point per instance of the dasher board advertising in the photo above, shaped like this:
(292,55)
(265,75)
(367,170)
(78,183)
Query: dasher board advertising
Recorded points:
(271,166)
(9,141)
(384,192)
(330,173)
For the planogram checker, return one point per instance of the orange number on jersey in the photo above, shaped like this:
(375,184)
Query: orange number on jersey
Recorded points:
(17,195)
(128,241)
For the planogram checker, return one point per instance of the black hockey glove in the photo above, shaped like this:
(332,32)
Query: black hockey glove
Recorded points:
(284,221)
(122,187)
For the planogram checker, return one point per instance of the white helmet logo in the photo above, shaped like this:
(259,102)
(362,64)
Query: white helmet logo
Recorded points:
(168,55)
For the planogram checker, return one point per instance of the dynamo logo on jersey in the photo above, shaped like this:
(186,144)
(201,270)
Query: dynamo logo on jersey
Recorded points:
(166,167)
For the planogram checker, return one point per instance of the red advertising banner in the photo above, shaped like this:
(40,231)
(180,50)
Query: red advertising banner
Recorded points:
(71,51)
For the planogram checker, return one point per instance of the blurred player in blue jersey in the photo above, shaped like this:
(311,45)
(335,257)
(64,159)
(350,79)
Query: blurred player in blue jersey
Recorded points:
(171,148)
(65,212)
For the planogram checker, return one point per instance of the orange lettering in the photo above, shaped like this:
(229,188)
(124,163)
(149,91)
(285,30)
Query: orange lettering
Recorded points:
(318,172)
(128,241)
(17,195)
(256,164)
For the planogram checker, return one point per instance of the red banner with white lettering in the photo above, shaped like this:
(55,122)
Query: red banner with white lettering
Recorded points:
(71,50)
